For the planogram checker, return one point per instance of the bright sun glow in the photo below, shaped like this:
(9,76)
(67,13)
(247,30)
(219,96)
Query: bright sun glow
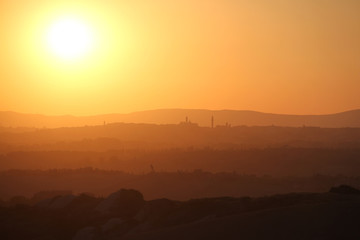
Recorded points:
(70,38)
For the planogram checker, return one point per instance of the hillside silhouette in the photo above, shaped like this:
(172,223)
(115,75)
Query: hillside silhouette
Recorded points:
(204,175)
(174,116)
(125,214)
(176,185)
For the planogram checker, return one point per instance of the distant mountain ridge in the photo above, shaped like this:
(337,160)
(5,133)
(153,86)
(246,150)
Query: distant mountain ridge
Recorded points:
(174,116)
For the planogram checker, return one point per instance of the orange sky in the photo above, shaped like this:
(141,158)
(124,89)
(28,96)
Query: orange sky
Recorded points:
(281,56)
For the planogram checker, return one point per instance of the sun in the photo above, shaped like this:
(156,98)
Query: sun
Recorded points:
(70,38)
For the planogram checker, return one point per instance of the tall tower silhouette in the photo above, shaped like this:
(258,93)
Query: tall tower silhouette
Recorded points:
(212,121)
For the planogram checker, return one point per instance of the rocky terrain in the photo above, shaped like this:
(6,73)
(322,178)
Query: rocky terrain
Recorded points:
(126,215)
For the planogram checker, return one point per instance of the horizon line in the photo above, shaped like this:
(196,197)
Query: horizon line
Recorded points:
(174,109)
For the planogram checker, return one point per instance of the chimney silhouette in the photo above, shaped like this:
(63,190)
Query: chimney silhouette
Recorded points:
(212,121)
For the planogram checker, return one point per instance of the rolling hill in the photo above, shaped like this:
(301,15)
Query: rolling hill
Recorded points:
(174,116)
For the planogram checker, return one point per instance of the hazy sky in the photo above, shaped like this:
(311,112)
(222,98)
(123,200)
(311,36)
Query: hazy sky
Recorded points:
(281,56)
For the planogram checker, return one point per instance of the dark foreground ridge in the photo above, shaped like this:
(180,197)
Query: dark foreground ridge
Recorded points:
(126,215)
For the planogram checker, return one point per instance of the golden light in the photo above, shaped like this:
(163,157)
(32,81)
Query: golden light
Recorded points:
(70,38)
